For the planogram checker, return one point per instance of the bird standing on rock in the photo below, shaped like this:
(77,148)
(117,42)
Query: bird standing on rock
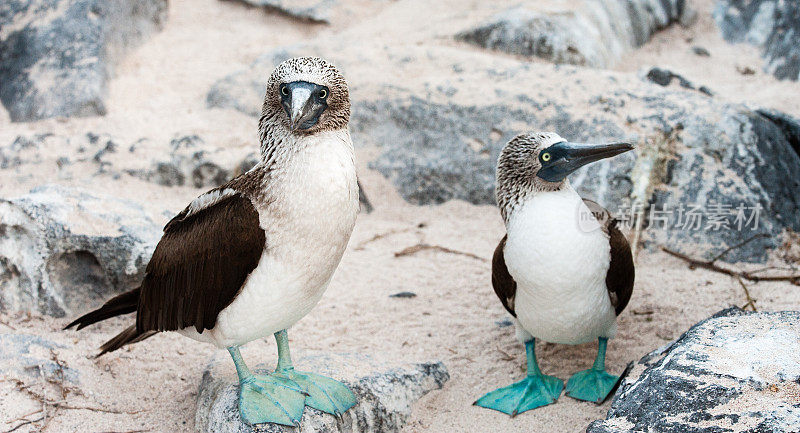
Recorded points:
(253,256)
(563,270)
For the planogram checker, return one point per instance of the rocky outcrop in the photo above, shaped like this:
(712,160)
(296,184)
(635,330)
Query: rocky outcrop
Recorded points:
(192,162)
(65,249)
(595,35)
(734,372)
(56,55)
(385,394)
(773,25)
(434,152)
(315,11)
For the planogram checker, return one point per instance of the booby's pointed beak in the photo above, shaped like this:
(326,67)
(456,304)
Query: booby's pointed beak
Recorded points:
(303,102)
(561,159)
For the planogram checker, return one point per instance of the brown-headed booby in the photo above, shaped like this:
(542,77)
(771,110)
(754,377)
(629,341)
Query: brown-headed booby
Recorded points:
(563,270)
(253,256)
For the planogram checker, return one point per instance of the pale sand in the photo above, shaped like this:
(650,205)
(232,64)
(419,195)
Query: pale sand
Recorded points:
(159,91)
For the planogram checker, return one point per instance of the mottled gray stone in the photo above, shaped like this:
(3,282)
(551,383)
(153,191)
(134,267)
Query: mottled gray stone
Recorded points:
(31,355)
(773,25)
(56,56)
(733,372)
(439,152)
(595,35)
(315,11)
(190,162)
(738,157)
(65,249)
(385,394)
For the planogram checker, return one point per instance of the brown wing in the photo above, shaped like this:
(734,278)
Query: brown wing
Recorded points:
(504,285)
(200,265)
(621,272)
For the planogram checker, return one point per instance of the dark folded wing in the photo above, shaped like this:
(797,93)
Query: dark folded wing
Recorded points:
(200,265)
(504,285)
(619,279)
(621,272)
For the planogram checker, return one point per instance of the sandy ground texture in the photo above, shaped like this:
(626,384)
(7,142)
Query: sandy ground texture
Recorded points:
(159,91)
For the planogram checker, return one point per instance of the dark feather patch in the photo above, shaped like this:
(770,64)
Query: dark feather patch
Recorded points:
(504,285)
(621,272)
(200,265)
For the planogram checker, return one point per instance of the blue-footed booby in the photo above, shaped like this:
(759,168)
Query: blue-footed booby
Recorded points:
(253,256)
(563,270)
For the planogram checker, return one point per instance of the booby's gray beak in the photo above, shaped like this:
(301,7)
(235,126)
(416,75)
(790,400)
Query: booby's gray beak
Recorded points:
(303,102)
(561,159)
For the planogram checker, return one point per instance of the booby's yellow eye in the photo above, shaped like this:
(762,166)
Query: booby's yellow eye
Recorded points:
(284,91)
(545,157)
(323,94)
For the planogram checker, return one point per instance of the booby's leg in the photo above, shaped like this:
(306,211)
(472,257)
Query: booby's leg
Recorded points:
(324,393)
(267,398)
(534,391)
(595,383)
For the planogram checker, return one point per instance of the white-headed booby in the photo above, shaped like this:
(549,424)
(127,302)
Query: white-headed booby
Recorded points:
(563,270)
(253,256)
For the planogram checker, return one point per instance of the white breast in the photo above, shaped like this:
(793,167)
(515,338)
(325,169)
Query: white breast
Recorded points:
(308,223)
(560,266)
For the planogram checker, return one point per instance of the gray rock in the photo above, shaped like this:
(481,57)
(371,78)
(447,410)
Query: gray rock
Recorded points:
(663,77)
(385,395)
(64,250)
(32,355)
(315,11)
(773,25)
(733,372)
(56,56)
(439,152)
(701,51)
(753,165)
(190,162)
(596,35)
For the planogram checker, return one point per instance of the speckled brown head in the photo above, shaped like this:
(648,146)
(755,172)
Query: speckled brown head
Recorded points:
(306,95)
(540,162)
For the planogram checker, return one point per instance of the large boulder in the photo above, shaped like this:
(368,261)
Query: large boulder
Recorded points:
(736,371)
(773,25)
(64,250)
(56,55)
(597,34)
(385,393)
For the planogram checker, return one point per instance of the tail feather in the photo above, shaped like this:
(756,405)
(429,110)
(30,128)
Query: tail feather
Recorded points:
(116,306)
(129,336)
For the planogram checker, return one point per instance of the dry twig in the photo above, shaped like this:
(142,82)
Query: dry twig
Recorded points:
(380,236)
(24,423)
(750,301)
(711,265)
(422,247)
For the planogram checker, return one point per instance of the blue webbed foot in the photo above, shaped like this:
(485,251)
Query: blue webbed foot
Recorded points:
(270,399)
(529,393)
(591,385)
(324,394)
(595,383)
